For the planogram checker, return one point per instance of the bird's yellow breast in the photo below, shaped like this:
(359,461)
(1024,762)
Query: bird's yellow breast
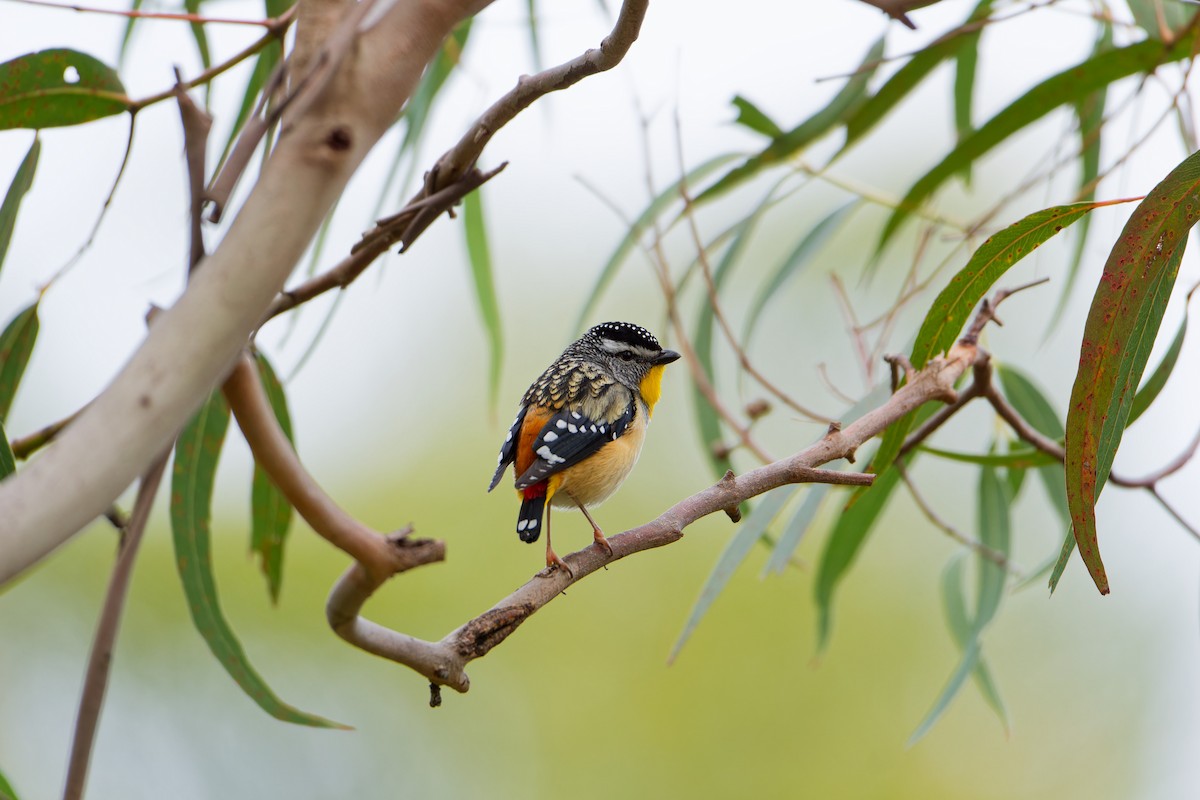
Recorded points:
(651,388)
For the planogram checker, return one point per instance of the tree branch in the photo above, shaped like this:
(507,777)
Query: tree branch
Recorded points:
(444,662)
(193,345)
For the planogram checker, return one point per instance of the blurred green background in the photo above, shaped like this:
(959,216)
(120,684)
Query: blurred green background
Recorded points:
(391,416)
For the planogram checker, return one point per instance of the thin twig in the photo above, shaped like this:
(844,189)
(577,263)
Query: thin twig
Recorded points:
(991,554)
(96,680)
(196,19)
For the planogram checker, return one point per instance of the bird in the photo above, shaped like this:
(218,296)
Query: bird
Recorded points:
(580,427)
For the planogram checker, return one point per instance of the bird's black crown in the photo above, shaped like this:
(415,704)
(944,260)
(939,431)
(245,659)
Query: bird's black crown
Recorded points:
(625,332)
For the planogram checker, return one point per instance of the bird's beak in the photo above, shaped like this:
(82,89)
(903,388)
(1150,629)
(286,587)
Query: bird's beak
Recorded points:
(665,357)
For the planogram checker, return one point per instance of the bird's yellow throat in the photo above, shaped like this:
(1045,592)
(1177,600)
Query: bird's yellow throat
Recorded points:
(652,387)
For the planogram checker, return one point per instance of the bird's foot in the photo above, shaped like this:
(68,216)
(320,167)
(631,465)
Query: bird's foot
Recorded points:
(553,562)
(602,542)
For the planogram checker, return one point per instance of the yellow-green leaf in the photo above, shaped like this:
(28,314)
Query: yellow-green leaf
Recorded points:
(52,88)
(270,511)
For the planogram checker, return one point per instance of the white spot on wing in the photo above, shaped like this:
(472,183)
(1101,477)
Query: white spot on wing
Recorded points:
(545,454)
(572,429)
(550,436)
(562,423)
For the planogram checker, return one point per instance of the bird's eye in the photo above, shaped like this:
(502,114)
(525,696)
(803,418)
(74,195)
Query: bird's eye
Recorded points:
(625,355)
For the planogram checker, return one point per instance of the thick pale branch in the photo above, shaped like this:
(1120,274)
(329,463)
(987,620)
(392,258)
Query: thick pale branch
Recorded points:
(273,452)
(443,663)
(193,345)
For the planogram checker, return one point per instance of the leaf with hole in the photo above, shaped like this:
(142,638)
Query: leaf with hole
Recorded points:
(270,511)
(1070,86)
(58,87)
(197,451)
(21,182)
(1122,324)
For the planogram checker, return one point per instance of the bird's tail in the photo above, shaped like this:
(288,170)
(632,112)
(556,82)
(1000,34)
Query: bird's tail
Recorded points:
(533,508)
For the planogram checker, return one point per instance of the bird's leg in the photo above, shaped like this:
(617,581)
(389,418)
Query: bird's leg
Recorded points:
(552,559)
(597,534)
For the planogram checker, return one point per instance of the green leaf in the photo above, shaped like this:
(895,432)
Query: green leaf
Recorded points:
(1064,556)
(740,545)
(199,34)
(803,252)
(1019,459)
(708,425)
(8,463)
(535,45)
(789,540)
(657,206)
(6,790)
(58,87)
(1029,401)
(264,65)
(950,311)
(1126,312)
(848,535)
(480,256)
(1158,379)
(1090,113)
(270,511)
(752,117)
(869,113)
(16,192)
(792,142)
(995,533)
(965,68)
(16,345)
(196,453)
(1067,87)
(416,111)
(127,35)
(1152,15)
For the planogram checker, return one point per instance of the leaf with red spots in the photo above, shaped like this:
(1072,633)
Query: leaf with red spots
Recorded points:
(58,87)
(953,306)
(1127,310)
(196,453)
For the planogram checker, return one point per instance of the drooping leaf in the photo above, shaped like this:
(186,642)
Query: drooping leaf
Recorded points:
(264,65)
(746,536)
(1158,379)
(1153,16)
(6,790)
(995,533)
(535,44)
(639,227)
(480,256)
(1019,459)
(58,87)
(1030,402)
(127,35)
(8,463)
(199,35)
(792,142)
(196,453)
(752,117)
(1089,111)
(789,540)
(1069,86)
(708,425)
(16,345)
(796,260)
(16,192)
(270,511)
(416,111)
(870,112)
(950,310)
(1122,324)
(848,535)
(965,66)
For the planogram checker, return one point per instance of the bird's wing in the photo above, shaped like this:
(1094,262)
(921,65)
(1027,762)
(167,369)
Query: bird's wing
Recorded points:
(567,438)
(508,450)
